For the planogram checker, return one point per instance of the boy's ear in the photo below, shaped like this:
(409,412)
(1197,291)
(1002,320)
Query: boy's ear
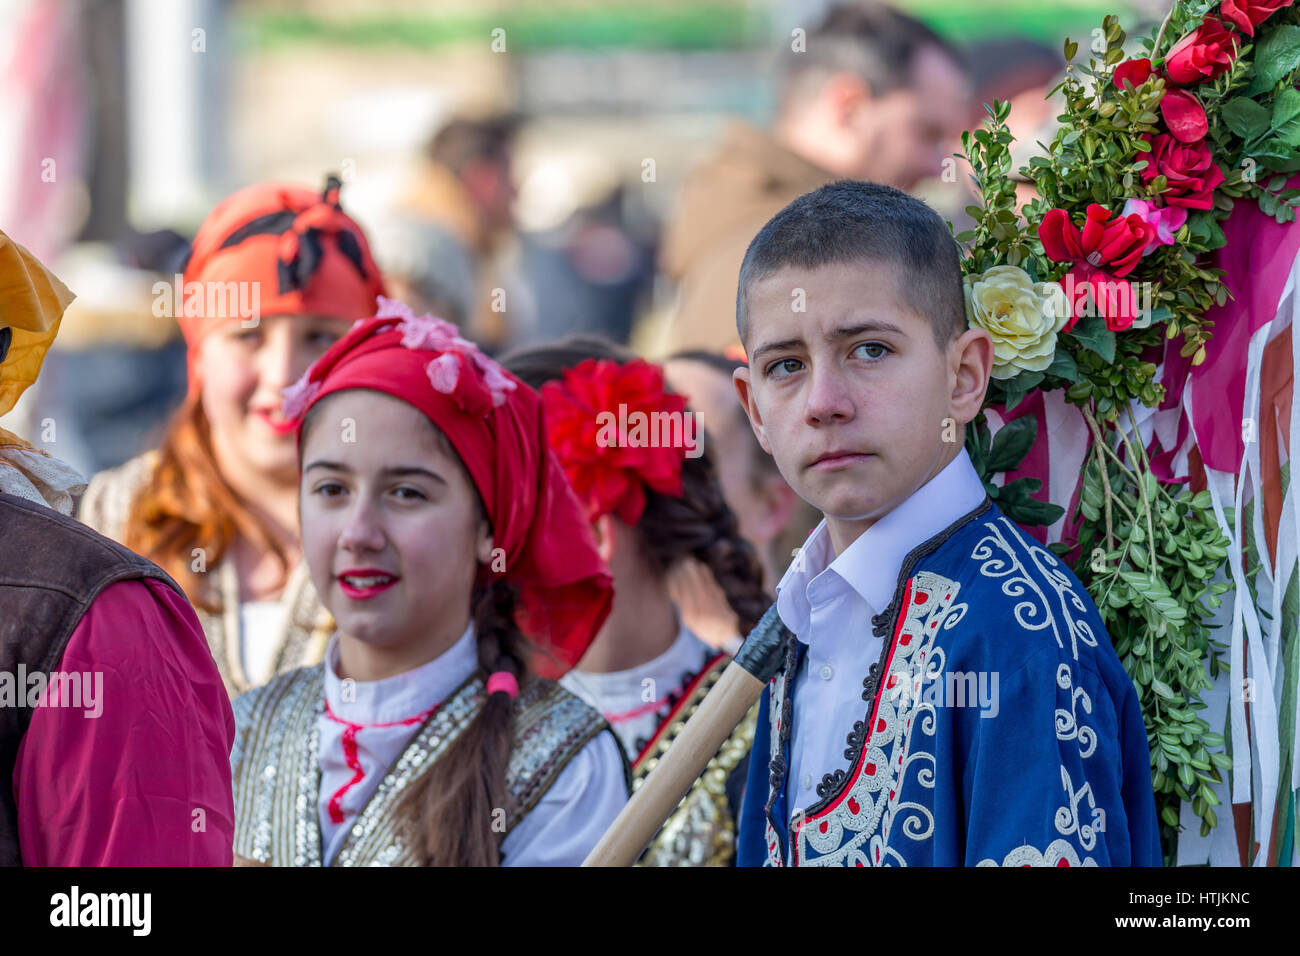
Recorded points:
(972,364)
(744,388)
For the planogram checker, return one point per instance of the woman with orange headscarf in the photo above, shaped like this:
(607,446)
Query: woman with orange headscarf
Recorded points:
(276,274)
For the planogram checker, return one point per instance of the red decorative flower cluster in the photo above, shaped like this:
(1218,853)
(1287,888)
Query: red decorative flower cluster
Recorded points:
(1102,253)
(592,420)
(1182,155)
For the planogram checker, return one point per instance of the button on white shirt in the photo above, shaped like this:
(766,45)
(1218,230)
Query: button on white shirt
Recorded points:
(828,602)
(559,831)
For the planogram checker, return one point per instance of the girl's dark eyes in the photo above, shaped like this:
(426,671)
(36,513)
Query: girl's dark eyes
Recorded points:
(332,489)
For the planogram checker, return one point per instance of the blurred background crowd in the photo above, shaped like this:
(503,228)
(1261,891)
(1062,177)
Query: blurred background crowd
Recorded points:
(524,168)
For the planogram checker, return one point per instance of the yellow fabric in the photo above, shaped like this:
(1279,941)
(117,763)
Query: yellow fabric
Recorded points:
(32,302)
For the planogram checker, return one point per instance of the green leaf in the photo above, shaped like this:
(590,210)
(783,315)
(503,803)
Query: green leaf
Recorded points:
(1064,366)
(1092,334)
(1286,116)
(1170,816)
(1275,56)
(1273,152)
(1017,388)
(1245,117)
(1163,689)
(1012,443)
(1015,501)
(1205,227)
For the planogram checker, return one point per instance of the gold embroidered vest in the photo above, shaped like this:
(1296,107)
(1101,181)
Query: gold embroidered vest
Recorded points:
(276,767)
(702,830)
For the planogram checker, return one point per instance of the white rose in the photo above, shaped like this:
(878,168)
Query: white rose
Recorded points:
(1021,315)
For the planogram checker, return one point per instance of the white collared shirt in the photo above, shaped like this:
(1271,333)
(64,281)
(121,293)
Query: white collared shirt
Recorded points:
(828,603)
(559,831)
(635,701)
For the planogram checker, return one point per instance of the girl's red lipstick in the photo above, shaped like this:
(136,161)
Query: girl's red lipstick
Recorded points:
(363,583)
(284,426)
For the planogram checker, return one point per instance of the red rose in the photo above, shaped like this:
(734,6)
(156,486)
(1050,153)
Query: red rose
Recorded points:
(1116,244)
(1245,15)
(1189,168)
(1203,54)
(1184,116)
(1136,72)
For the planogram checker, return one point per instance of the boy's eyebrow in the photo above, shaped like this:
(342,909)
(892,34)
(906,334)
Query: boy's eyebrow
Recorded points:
(399,472)
(774,347)
(874,325)
(844,332)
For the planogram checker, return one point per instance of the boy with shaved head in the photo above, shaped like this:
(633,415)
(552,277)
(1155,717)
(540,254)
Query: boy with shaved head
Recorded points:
(953,698)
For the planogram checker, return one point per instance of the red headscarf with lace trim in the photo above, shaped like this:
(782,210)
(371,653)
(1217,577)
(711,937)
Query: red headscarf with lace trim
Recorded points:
(496,424)
(300,251)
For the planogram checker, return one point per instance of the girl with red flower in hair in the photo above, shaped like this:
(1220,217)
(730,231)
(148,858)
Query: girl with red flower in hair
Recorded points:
(652,504)
(443,537)
(215,505)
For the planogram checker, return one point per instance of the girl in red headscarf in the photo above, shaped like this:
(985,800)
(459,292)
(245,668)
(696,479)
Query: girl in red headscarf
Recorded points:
(275,275)
(443,537)
(635,457)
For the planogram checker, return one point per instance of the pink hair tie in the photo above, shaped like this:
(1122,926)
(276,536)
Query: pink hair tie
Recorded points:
(502,680)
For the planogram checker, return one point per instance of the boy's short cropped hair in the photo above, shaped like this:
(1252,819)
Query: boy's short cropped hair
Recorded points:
(852,221)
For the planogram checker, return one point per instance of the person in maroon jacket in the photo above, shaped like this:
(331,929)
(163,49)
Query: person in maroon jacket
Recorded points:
(115,730)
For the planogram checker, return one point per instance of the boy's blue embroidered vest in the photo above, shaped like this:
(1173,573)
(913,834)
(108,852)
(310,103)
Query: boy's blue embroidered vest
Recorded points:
(978,597)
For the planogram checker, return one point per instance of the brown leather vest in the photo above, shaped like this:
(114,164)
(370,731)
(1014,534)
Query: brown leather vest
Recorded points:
(51,569)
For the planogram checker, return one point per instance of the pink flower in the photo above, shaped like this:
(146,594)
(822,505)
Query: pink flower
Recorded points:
(438,335)
(494,377)
(1164,221)
(296,398)
(444,372)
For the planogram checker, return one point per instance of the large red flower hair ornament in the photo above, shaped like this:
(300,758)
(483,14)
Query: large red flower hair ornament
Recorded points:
(617,432)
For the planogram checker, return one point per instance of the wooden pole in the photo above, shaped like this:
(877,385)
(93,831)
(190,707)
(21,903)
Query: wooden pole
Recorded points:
(725,706)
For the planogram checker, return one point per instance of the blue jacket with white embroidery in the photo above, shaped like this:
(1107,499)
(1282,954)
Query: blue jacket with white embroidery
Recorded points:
(999,727)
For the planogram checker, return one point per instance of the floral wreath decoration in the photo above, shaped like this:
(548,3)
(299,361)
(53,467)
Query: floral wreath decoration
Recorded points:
(1100,287)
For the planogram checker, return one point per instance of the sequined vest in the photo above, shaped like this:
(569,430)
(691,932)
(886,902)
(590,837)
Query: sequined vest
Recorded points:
(702,830)
(51,569)
(276,767)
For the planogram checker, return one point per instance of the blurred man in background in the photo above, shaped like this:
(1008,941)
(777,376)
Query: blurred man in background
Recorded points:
(872,94)
(466,189)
